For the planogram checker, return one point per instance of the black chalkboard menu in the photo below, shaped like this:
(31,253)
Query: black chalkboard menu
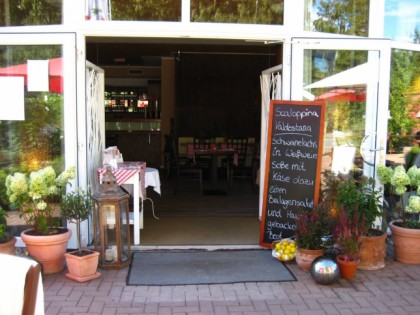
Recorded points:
(293,166)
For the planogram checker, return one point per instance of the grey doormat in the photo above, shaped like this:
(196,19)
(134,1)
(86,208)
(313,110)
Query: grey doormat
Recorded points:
(206,267)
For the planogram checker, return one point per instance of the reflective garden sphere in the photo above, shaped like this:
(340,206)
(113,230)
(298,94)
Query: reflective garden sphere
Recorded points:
(324,270)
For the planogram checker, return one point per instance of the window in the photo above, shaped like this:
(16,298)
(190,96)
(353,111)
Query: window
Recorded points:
(238,11)
(147,10)
(21,12)
(38,140)
(402,20)
(350,17)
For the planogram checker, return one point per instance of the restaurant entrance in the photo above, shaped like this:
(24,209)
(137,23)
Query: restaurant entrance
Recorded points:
(208,90)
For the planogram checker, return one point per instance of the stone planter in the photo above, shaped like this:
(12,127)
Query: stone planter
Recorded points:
(8,247)
(406,243)
(82,265)
(373,252)
(48,250)
(348,269)
(305,257)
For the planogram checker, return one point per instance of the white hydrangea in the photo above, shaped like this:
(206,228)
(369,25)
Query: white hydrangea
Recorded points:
(413,204)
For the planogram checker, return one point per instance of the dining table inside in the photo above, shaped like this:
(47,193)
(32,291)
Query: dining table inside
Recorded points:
(215,151)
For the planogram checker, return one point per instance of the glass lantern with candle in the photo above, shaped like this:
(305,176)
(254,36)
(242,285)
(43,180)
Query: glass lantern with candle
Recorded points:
(111,223)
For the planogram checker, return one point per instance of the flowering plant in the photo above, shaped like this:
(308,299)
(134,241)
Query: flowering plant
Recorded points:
(402,181)
(348,235)
(313,226)
(35,195)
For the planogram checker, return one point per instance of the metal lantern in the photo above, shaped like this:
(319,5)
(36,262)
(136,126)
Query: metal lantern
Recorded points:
(111,223)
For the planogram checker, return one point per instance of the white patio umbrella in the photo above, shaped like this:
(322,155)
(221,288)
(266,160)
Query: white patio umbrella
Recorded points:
(359,75)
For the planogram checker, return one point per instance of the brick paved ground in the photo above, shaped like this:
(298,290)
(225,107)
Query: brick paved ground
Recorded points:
(393,290)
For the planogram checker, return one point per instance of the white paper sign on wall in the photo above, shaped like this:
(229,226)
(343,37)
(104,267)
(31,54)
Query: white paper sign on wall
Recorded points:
(12,105)
(38,75)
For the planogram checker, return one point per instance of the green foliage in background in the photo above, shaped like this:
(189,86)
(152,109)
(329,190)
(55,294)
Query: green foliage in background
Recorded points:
(238,11)
(146,10)
(30,12)
(342,17)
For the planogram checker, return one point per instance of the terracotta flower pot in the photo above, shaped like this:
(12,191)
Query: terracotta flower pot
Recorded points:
(82,267)
(406,244)
(48,250)
(348,269)
(372,252)
(305,257)
(8,247)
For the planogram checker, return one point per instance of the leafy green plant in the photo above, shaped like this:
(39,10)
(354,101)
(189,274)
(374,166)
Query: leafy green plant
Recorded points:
(3,225)
(76,207)
(410,157)
(36,194)
(361,200)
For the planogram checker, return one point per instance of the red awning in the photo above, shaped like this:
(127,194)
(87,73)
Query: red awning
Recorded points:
(342,95)
(55,73)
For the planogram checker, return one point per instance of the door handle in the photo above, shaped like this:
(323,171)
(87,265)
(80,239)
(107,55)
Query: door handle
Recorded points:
(362,150)
(371,150)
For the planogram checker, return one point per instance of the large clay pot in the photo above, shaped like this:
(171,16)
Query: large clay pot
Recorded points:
(373,252)
(305,257)
(406,243)
(347,268)
(8,247)
(82,267)
(48,250)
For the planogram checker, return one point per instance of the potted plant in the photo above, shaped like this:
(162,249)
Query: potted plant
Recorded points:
(7,242)
(37,196)
(347,237)
(312,229)
(358,194)
(82,264)
(405,230)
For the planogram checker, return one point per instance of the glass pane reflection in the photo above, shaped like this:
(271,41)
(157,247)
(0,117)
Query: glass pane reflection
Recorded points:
(238,11)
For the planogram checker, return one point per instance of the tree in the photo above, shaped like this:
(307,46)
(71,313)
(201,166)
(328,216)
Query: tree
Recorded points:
(31,12)
(402,75)
(146,10)
(343,17)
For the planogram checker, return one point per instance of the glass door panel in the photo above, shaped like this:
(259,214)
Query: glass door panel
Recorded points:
(348,80)
(37,115)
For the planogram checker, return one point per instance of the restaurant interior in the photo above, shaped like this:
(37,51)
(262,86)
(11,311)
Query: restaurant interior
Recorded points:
(167,101)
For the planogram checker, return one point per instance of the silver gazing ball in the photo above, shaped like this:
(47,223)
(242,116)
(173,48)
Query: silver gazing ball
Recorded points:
(324,270)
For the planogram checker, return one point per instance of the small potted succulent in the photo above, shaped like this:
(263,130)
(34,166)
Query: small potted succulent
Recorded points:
(76,207)
(7,242)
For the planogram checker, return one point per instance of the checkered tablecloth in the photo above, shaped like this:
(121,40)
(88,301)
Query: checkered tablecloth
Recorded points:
(125,171)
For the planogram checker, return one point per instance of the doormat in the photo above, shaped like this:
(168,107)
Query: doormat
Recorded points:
(206,267)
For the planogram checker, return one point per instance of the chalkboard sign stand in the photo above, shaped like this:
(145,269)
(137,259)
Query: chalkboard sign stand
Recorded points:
(293,166)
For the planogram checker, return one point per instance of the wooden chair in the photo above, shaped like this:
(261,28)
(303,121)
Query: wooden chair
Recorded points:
(21,286)
(203,161)
(31,289)
(186,170)
(244,168)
